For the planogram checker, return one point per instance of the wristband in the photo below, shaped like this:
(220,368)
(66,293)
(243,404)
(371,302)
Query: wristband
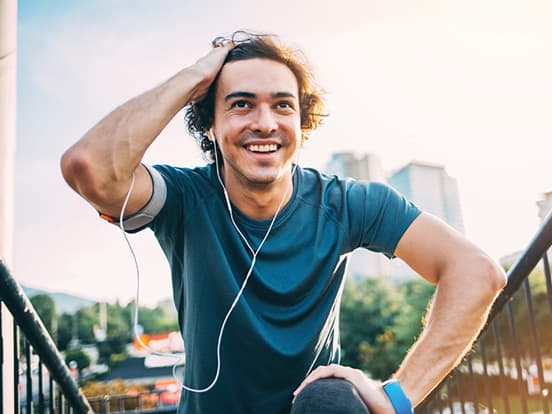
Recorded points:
(398,398)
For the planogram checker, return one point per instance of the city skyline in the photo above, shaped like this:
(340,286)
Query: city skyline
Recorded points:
(427,185)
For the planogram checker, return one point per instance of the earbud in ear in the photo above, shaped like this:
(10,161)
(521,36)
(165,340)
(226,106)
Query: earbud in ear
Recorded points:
(212,137)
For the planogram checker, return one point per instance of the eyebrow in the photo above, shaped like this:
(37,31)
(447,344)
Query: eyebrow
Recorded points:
(243,94)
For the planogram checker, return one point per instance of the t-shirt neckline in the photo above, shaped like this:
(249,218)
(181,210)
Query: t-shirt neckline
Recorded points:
(252,223)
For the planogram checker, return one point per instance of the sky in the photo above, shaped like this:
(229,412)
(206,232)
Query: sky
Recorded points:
(466,85)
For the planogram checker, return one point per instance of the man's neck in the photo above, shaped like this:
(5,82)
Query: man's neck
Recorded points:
(261,202)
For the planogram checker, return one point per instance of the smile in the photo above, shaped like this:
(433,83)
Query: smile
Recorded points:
(262,148)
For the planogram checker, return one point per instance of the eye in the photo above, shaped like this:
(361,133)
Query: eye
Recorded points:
(284,105)
(241,104)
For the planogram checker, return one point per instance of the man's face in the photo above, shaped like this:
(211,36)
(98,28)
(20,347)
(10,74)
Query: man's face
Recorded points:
(257,122)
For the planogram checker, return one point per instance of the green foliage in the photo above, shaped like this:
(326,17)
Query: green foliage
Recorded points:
(46,309)
(79,356)
(380,321)
(152,320)
(155,320)
(87,318)
(115,359)
(368,310)
(65,332)
(83,323)
(113,345)
(522,320)
(118,322)
(415,296)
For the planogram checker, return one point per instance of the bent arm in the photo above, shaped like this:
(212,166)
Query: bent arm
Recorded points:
(467,284)
(101,164)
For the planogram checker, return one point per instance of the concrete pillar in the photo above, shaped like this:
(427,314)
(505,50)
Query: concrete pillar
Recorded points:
(8,47)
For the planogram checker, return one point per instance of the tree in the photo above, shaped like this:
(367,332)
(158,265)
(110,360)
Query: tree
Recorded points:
(368,310)
(65,331)
(79,356)
(151,320)
(416,296)
(379,322)
(87,318)
(522,320)
(46,308)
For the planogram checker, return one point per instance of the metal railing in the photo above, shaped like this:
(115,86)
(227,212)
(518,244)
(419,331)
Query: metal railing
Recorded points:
(46,384)
(147,402)
(510,368)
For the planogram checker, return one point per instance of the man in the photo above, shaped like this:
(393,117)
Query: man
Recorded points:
(258,245)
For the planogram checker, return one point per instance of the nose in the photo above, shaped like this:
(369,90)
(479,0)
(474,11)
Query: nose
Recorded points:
(264,120)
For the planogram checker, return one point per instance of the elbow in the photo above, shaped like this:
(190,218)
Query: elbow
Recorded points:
(493,277)
(79,172)
(74,168)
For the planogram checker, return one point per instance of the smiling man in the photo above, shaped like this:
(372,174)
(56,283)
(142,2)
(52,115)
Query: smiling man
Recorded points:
(258,246)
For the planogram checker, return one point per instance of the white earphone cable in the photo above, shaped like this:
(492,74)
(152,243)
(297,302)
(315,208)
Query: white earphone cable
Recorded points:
(181,357)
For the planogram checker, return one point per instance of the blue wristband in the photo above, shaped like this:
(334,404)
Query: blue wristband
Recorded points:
(398,398)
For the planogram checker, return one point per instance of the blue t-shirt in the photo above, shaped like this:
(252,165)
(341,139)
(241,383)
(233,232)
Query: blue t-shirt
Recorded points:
(287,320)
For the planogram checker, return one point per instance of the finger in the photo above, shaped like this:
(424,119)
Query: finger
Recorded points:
(323,371)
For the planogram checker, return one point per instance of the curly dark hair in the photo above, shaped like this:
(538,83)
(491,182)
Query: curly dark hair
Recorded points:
(199,115)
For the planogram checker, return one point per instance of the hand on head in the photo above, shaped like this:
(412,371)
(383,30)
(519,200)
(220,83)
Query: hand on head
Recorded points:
(207,68)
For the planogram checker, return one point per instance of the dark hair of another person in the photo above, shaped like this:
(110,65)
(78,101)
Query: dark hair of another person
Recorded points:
(199,115)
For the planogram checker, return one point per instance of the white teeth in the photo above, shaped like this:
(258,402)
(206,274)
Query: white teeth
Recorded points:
(263,148)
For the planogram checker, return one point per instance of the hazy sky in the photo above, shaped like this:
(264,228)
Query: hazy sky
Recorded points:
(464,84)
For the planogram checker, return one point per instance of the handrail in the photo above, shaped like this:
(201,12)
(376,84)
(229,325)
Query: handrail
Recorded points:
(517,274)
(26,317)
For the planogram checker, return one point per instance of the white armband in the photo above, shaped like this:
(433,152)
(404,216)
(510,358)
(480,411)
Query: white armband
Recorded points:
(147,213)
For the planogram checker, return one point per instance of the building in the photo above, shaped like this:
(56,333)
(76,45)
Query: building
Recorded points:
(361,167)
(365,167)
(427,185)
(431,189)
(545,205)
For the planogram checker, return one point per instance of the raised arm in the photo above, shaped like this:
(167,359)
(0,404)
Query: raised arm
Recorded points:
(101,164)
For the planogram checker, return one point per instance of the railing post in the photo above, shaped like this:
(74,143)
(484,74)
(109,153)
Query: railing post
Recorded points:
(536,347)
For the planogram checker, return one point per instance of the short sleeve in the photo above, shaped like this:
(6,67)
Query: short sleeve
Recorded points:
(382,213)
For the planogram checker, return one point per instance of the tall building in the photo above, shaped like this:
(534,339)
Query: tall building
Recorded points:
(361,167)
(545,205)
(427,185)
(431,189)
(365,167)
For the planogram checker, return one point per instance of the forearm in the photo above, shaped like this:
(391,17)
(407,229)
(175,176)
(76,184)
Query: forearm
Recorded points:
(457,314)
(111,151)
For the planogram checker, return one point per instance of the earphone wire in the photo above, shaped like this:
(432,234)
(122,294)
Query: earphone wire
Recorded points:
(136,334)
(181,357)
